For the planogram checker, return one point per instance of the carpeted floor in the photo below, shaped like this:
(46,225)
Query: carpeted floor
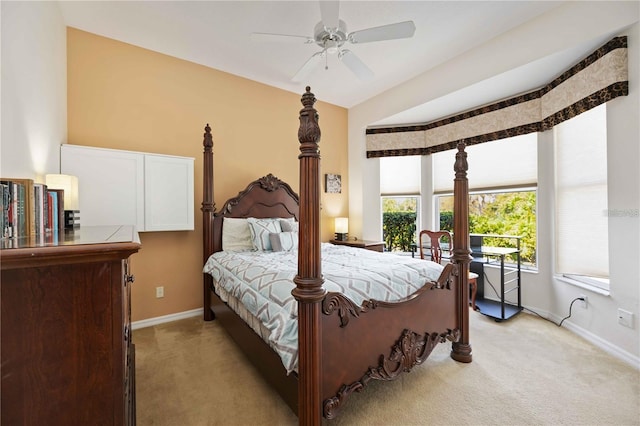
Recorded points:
(525,371)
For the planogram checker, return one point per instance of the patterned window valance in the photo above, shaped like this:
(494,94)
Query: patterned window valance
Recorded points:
(598,78)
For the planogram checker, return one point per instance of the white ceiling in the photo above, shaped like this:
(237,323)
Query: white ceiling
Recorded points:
(217,34)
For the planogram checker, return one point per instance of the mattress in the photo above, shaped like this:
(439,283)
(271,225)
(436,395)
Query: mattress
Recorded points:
(258,285)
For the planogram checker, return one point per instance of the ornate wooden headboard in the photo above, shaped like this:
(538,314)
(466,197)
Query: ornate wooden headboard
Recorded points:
(263,198)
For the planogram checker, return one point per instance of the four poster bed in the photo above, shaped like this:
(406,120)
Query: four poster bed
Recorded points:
(334,343)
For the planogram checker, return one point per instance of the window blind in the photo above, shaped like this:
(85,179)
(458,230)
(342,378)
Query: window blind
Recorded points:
(505,163)
(582,242)
(401,175)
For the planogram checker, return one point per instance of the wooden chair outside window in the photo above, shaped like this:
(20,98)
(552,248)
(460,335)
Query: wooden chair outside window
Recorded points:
(436,240)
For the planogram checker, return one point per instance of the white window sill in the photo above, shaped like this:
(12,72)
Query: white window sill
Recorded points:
(583,285)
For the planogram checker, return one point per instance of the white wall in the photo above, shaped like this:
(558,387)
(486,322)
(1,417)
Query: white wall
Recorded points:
(571,24)
(34,89)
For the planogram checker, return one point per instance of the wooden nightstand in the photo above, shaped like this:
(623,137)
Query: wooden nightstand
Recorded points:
(369,245)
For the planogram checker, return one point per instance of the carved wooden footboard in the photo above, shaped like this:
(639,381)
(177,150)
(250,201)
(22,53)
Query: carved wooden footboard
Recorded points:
(380,340)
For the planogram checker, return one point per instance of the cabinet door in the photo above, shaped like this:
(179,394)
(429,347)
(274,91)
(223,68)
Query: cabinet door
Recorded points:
(153,192)
(110,184)
(168,193)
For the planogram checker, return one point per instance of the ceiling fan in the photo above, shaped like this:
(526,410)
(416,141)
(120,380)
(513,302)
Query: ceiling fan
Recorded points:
(331,35)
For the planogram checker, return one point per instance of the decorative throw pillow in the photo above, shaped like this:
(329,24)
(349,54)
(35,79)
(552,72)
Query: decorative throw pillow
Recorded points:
(260,230)
(236,235)
(284,241)
(289,225)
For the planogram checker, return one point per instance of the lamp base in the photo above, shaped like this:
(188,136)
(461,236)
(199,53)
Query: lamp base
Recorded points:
(341,236)
(71,219)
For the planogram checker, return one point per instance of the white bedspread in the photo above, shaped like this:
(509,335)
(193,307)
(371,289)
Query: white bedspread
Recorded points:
(263,282)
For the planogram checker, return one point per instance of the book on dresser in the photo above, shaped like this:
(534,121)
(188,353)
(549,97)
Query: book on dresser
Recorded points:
(18,210)
(29,209)
(57,209)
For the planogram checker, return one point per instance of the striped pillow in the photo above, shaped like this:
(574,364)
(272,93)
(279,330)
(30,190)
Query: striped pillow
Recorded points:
(284,241)
(260,230)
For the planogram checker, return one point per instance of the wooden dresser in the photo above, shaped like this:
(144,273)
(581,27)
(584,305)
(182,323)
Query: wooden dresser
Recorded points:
(67,357)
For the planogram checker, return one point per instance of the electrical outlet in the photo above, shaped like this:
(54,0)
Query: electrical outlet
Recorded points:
(159,292)
(584,302)
(625,318)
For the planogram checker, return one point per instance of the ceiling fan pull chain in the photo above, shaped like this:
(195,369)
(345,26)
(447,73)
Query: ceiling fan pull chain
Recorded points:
(326,62)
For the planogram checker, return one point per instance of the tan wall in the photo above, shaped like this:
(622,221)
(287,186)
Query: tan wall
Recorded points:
(124,97)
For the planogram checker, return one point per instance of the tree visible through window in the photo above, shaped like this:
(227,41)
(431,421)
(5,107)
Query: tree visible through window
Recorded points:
(399,222)
(399,190)
(502,213)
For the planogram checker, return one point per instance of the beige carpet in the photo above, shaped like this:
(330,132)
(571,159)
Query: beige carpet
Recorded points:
(525,371)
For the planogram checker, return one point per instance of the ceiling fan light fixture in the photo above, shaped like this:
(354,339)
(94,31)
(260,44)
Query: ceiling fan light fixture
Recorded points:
(322,34)
(332,46)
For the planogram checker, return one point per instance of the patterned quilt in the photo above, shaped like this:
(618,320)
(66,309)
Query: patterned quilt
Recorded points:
(263,281)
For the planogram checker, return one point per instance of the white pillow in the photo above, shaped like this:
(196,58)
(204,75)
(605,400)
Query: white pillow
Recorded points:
(236,235)
(260,230)
(284,241)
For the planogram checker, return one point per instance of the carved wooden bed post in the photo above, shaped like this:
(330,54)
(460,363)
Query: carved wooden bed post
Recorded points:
(461,350)
(309,292)
(208,207)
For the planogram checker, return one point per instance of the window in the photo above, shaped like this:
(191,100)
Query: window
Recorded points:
(502,183)
(400,197)
(499,213)
(582,242)
(400,222)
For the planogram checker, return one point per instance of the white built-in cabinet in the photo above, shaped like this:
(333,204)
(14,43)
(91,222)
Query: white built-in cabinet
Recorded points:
(153,192)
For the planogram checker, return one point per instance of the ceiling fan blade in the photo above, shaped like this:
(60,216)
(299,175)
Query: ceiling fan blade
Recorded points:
(356,65)
(329,10)
(404,29)
(308,66)
(281,38)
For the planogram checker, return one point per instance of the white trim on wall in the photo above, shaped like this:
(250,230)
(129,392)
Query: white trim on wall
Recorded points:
(149,322)
(606,346)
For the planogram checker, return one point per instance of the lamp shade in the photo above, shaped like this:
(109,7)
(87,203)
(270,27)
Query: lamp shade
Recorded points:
(342,225)
(70,186)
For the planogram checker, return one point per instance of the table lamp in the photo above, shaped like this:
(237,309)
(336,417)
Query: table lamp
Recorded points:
(342,228)
(69,184)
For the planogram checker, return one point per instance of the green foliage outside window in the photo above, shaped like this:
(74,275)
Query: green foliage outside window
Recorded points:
(399,222)
(399,230)
(446,221)
(510,213)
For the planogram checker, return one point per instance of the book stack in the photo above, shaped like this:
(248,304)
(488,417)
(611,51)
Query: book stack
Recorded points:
(29,209)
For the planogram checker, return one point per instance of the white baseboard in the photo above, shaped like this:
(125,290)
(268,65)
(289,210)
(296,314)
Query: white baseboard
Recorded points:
(166,318)
(606,346)
(611,349)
